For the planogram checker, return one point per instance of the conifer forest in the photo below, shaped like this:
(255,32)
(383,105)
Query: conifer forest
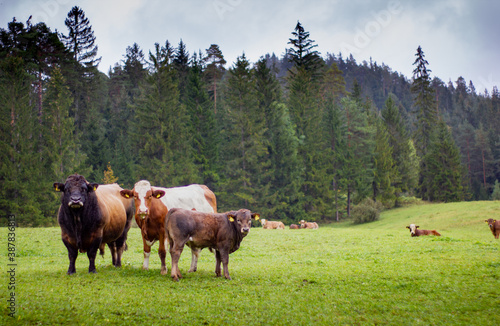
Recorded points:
(297,135)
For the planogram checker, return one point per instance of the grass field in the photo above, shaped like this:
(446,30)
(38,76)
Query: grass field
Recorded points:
(339,274)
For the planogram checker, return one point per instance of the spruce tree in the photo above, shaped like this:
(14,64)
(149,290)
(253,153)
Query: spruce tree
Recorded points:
(214,61)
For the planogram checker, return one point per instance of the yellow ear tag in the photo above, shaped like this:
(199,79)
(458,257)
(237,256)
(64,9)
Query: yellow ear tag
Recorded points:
(257,217)
(127,195)
(95,188)
(158,196)
(231,219)
(56,188)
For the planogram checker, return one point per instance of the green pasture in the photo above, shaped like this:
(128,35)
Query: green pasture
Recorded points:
(339,274)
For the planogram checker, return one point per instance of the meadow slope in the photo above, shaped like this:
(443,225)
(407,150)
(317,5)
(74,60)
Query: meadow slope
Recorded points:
(339,274)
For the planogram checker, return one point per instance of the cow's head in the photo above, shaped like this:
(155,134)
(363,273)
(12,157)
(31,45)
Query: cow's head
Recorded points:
(302,224)
(242,219)
(143,194)
(263,222)
(413,228)
(490,222)
(75,190)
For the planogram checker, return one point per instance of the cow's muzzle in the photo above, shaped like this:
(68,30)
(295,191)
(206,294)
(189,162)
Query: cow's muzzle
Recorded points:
(75,204)
(245,230)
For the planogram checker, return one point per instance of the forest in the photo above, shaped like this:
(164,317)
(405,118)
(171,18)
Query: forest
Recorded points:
(301,135)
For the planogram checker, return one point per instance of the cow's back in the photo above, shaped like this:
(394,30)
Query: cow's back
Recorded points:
(114,209)
(189,197)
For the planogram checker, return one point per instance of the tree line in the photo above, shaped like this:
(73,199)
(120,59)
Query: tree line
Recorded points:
(301,136)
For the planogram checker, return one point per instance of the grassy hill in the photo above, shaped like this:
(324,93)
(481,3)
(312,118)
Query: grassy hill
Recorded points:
(339,274)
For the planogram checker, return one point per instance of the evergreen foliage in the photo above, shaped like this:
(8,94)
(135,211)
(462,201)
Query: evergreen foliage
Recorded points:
(294,137)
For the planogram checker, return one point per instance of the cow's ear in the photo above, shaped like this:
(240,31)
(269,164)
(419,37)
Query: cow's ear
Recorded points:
(158,193)
(93,186)
(230,217)
(484,220)
(58,186)
(127,193)
(256,216)
(408,227)
(416,227)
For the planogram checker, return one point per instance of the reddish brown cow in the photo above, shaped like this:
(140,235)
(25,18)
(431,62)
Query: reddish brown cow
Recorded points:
(220,232)
(91,216)
(152,205)
(415,232)
(272,224)
(294,226)
(494,227)
(308,225)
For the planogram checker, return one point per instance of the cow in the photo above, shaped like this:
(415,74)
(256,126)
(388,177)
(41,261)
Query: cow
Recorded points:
(222,232)
(152,205)
(272,224)
(494,227)
(415,232)
(91,216)
(294,226)
(308,225)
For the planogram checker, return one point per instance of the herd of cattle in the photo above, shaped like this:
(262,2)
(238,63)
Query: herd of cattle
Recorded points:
(93,215)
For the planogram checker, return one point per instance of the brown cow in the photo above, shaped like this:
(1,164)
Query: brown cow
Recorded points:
(220,232)
(272,224)
(308,225)
(152,205)
(415,232)
(494,227)
(294,226)
(91,216)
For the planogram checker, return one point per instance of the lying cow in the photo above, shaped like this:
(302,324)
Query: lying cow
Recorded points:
(294,226)
(308,225)
(220,232)
(494,227)
(91,216)
(152,205)
(415,232)
(272,224)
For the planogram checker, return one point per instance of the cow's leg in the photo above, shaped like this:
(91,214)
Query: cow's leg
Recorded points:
(195,253)
(72,254)
(120,246)
(225,261)
(162,252)
(175,254)
(217,263)
(147,253)
(113,251)
(92,252)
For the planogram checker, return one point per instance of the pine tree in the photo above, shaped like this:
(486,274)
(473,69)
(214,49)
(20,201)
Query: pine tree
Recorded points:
(301,53)
(214,61)
(444,168)
(245,167)
(385,172)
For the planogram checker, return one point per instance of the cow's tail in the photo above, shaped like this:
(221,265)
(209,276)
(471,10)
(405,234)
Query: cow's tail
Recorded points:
(436,233)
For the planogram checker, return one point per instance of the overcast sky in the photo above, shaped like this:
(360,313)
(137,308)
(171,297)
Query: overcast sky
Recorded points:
(459,37)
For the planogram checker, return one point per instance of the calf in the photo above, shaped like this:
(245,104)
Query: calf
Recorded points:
(494,227)
(152,205)
(220,232)
(415,232)
(294,226)
(308,225)
(91,216)
(272,224)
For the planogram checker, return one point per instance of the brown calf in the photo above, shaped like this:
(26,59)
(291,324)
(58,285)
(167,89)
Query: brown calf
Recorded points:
(272,224)
(494,227)
(220,232)
(415,232)
(308,225)
(152,205)
(294,226)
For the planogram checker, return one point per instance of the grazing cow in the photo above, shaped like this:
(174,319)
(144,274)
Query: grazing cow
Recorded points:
(220,232)
(308,225)
(91,216)
(294,226)
(152,205)
(494,227)
(415,232)
(272,224)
